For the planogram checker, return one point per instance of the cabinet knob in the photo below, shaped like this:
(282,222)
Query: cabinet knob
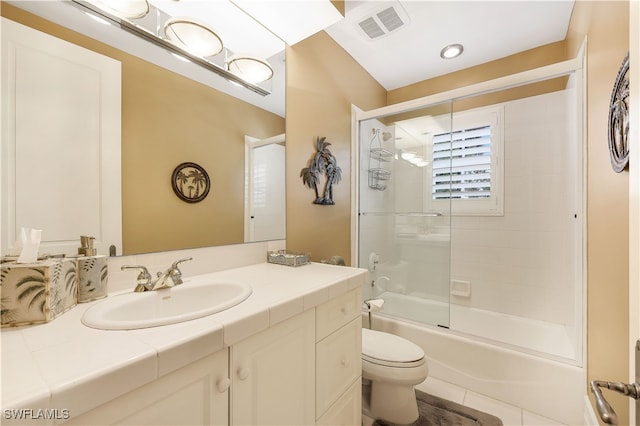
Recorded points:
(345,363)
(223,384)
(243,373)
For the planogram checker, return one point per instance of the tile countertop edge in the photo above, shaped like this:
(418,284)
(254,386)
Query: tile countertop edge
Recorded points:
(316,288)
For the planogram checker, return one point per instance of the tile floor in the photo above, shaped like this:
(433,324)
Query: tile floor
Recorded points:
(509,414)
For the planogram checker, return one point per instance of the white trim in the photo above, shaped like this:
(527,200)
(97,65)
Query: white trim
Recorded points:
(581,292)
(355,188)
(530,76)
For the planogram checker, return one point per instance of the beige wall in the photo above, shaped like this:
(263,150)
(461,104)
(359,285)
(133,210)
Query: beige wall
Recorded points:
(168,119)
(322,83)
(534,58)
(606,25)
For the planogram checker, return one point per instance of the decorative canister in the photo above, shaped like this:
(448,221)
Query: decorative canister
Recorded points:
(92,278)
(37,292)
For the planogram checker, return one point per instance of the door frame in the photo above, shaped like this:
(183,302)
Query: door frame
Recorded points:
(251,143)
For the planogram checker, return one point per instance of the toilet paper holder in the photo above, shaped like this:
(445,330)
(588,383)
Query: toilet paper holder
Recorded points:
(373,305)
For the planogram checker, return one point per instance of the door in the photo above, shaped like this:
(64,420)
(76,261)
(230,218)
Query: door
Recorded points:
(265,203)
(61,114)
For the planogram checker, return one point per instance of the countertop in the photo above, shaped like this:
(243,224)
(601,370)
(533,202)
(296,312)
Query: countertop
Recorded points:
(66,365)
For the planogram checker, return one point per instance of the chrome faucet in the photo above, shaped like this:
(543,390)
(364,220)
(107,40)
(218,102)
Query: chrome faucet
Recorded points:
(169,278)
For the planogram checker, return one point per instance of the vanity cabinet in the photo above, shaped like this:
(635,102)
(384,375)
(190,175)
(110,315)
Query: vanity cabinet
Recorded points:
(273,375)
(305,370)
(197,394)
(339,360)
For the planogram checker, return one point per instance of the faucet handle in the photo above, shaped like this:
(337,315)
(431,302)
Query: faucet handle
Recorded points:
(175,273)
(144,277)
(174,265)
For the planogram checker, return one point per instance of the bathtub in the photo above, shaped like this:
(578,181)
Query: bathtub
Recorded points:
(542,338)
(542,385)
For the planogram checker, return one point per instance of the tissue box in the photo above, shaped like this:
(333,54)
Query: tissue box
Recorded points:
(92,278)
(34,293)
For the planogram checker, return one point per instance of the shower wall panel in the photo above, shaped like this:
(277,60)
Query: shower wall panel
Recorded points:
(523,263)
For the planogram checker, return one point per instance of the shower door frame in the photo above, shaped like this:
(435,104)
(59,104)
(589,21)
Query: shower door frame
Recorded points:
(576,65)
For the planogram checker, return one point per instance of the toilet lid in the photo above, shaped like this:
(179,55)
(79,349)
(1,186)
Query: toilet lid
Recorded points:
(389,347)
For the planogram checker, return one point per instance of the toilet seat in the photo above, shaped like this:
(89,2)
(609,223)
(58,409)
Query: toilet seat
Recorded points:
(384,363)
(389,350)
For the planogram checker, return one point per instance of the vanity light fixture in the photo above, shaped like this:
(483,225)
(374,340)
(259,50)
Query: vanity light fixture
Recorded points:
(451,51)
(193,37)
(250,69)
(177,38)
(128,9)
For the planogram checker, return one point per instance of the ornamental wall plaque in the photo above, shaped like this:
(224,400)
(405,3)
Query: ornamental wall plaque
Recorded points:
(190,182)
(322,162)
(619,119)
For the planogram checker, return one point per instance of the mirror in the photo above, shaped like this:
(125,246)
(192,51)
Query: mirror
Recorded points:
(172,114)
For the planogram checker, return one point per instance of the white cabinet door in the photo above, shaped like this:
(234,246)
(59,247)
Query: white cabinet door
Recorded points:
(61,120)
(193,395)
(339,364)
(273,375)
(347,411)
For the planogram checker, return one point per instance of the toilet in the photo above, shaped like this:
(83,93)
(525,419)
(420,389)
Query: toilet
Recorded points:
(393,366)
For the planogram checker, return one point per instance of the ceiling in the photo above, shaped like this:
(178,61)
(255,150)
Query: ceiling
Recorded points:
(488,30)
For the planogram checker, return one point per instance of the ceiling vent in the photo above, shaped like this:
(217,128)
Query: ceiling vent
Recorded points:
(383,22)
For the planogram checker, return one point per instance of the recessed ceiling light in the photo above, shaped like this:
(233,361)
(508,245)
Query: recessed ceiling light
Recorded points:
(193,37)
(451,51)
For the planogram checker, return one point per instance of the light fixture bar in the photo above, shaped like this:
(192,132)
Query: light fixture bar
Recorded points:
(152,38)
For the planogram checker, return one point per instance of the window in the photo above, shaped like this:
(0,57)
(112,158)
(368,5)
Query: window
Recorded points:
(466,164)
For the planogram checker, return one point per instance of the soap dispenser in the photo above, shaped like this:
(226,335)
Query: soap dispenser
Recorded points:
(93,273)
(86,246)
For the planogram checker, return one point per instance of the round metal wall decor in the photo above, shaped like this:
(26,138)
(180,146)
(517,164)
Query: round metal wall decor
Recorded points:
(190,182)
(619,119)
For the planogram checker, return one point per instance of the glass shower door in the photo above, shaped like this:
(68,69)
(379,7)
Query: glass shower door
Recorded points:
(404,237)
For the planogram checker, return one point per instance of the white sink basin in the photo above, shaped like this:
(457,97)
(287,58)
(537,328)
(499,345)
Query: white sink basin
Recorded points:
(184,302)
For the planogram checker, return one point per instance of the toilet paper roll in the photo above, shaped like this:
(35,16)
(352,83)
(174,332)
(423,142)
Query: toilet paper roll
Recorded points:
(374,304)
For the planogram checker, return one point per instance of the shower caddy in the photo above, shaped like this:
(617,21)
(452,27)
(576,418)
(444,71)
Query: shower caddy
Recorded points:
(378,175)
